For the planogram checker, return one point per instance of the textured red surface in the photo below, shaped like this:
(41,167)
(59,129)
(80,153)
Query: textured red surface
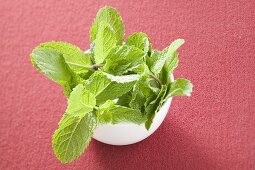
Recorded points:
(213,129)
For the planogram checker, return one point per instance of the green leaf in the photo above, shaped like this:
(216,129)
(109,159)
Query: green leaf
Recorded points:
(105,86)
(142,90)
(80,101)
(52,65)
(105,41)
(180,87)
(125,99)
(156,61)
(77,60)
(168,68)
(124,59)
(73,136)
(112,17)
(111,113)
(139,40)
(77,125)
(154,106)
(171,60)
(173,47)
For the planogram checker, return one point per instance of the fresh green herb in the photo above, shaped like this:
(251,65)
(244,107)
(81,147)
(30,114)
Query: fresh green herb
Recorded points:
(112,82)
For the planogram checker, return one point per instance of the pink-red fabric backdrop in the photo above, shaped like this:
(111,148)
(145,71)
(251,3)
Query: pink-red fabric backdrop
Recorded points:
(213,129)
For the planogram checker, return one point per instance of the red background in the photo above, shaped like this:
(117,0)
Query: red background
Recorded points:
(213,129)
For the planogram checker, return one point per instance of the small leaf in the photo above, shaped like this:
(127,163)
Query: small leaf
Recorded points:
(139,40)
(124,59)
(112,17)
(77,60)
(105,41)
(173,47)
(107,87)
(180,87)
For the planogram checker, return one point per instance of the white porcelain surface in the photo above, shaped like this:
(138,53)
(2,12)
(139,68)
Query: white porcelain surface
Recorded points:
(125,133)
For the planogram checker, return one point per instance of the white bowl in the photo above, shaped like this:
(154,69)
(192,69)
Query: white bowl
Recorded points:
(127,133)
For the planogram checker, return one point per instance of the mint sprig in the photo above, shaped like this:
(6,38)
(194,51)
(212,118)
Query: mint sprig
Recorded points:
(112,82)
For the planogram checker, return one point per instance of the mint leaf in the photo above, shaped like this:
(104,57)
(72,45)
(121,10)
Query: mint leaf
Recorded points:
(180,87)
(123,59)
(153,107)
(80,101)
(73,136)
(173,47)
(77,60)
(171,60)
(142,90)
(168,68)
(139,40)
(52,65)
(105,86)
(111,113)
(77,125)
(156,61)
(104,42)
(125,99)
(112,17)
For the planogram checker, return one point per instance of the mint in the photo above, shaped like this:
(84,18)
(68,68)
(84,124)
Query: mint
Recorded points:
(153,106)
(111,113)
(139,40)
(111,82)
(124,59)
(156,61)
(52,64)
(180,87)
(73,136)
(77,125)
(141,91)
(81,100)
(102,84)
(77,60)
(104,42)
(171,57)
(112,17)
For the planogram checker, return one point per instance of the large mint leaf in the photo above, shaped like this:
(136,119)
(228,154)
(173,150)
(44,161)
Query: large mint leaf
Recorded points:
(139,40)
(77,125)
(73,136)
(154,106)
(111,113)
(112,17)
(105,41)
(105,86)
(77,60)
(124,59)
(52,65)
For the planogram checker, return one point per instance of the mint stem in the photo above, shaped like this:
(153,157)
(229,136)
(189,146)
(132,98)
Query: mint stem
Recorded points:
(156,79)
